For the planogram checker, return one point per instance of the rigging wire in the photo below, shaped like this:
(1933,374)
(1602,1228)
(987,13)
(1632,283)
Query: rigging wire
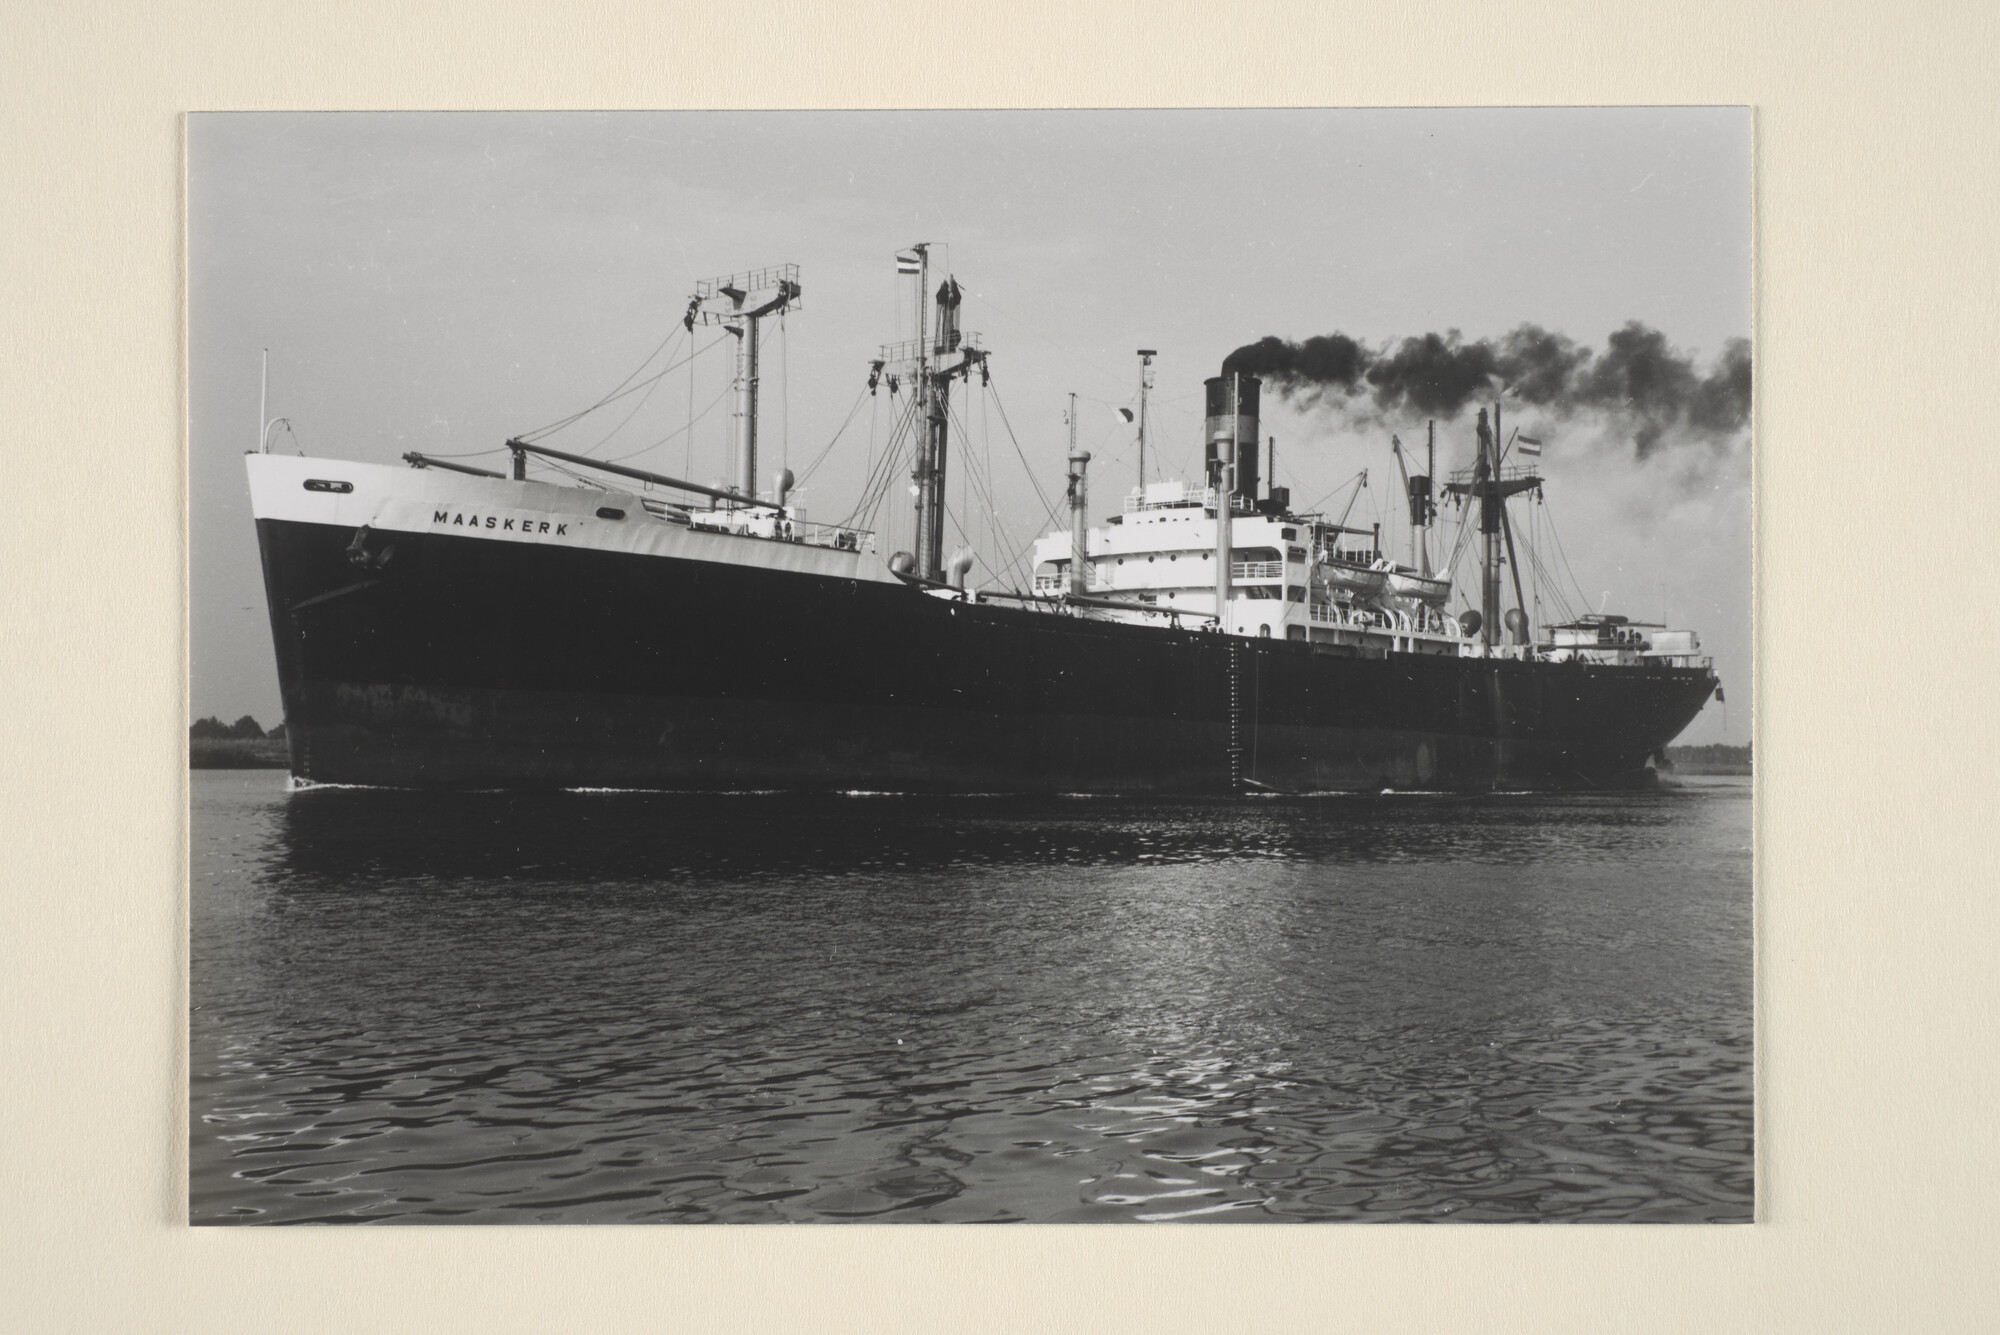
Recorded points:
(689,466)
(625,387)
(874,412)
(677,430)
(1545,581)
(820,458)
(870,505)
(1013,564)
(1314,507)
(1583,597)
(1183,463)
(984,486)
(1069,353)
(460,454)
(627,419)
(541,432)
(617,392)
(1527,536)
(965,475)
(1022,456)
(875,486)
(1458,546)
(986,461)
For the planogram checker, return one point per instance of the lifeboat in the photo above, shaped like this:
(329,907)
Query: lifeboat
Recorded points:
(1356,578)
(1406,584)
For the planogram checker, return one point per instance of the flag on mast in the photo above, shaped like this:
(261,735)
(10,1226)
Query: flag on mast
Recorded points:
(1528,445)
(908,263)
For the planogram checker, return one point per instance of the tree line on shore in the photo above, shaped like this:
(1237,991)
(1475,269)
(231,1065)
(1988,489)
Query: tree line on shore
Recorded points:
(1712,759)
(244,729)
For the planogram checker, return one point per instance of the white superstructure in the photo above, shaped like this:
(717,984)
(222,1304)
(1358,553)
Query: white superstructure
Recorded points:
(1289,577)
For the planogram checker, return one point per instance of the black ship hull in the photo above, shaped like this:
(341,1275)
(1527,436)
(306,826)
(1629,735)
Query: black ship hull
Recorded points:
(463,662)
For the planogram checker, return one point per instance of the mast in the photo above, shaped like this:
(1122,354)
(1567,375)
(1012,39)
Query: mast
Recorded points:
(935,358)
(1079,511)
(1225,492)
(746,406)
(1486,481)
(946,342)
(1415,498)
(263,408)
(1146,356)
(1418,490)
(921,474)
(1430,507)
(1514,568)
(1519,636)
(737,302)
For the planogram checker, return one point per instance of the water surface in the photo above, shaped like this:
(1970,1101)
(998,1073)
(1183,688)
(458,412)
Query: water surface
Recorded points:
(652,1008)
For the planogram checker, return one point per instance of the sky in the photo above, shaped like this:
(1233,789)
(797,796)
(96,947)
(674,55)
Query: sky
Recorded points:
(440,282)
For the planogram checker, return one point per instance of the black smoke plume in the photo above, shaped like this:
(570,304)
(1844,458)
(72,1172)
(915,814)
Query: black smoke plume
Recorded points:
(1639,378)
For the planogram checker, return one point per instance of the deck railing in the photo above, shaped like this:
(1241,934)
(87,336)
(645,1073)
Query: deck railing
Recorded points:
(751,280)
(1191,498)
(829,535)
(779,530)
(1359,618)
(903,355)
(1245,570)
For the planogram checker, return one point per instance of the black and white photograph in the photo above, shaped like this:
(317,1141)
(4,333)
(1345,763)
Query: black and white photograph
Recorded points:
(1090,666)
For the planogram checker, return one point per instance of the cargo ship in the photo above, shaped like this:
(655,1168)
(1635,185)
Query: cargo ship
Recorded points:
(443,625)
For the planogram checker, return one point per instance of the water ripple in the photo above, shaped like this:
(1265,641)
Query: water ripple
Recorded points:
(619,1007)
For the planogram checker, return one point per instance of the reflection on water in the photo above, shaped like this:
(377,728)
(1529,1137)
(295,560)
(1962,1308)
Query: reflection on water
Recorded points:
(623,1007)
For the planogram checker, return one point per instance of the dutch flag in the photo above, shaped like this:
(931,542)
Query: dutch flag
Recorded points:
(1527,445)
(908,264)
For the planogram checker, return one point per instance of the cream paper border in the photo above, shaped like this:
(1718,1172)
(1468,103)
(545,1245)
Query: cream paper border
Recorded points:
(1877,337)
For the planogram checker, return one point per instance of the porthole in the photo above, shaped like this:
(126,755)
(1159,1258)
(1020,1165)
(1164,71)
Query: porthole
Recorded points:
(606,512)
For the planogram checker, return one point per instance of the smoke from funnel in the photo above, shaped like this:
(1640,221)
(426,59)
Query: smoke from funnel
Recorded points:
(1639,377)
